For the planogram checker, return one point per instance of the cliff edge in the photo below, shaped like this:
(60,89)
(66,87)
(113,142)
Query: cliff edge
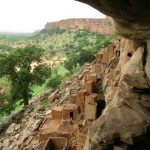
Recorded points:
(95,25)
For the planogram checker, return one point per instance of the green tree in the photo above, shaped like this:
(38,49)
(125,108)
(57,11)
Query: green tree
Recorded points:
(73,58)
(16,66)
(54,82)
(51,47)
(86,55)
(7,104)
(68,64)
(53,53)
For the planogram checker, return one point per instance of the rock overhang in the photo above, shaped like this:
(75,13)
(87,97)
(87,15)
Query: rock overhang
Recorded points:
(128,18)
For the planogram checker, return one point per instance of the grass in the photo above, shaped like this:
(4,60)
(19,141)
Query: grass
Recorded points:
(41,112)
(22,127)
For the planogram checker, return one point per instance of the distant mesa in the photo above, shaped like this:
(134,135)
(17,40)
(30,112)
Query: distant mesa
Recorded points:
(37,31)
(95,25)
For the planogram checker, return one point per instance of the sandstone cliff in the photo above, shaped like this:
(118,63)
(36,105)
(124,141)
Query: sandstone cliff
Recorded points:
(95,25)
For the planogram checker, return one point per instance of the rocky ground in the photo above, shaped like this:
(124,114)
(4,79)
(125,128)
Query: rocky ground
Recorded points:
(21,127)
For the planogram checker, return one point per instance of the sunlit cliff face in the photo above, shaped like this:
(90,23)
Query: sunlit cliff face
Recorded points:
(128,18)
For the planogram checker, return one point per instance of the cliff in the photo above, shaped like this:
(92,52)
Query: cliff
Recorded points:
(95,25)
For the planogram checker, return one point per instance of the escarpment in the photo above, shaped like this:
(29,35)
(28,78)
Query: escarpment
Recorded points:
(94,25)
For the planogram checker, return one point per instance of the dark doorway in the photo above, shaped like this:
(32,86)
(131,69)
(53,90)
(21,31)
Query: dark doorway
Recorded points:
(100,107)
(71,115)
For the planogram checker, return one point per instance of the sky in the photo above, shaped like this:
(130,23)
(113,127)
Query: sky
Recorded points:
(30,15)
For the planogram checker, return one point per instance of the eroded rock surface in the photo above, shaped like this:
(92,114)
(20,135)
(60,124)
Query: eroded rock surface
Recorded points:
(128,18)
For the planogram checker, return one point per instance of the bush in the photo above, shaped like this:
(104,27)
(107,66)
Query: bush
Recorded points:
(86,55)
(54,82)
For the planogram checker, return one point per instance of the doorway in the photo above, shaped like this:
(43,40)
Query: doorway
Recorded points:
(71,115)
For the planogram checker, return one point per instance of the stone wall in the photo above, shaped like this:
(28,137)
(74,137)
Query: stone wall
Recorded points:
(95,25)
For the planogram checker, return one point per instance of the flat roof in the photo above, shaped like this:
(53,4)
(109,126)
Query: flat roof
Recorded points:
(50,126)
(92,94)
(83,90)
(70,106)
(89,81)
(58,108)
(73,94)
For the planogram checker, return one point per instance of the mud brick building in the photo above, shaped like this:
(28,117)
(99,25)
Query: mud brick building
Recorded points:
(57,112)
(72,98)
(89,85)
(70,111)
(81,99)
(90,97)
(91,110)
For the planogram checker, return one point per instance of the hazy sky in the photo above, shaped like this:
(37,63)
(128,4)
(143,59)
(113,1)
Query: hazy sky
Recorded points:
(29,15)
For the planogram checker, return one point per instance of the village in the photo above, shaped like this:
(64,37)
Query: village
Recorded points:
(67,126)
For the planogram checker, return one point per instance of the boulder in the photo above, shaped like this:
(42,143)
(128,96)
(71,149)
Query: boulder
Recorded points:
(51,98)
(120,124)
(6,143)
(48,112)
(36,125)
(10,129)
(17,136)
(5,120)
(17,127)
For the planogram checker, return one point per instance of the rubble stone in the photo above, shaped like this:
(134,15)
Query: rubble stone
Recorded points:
(10,129)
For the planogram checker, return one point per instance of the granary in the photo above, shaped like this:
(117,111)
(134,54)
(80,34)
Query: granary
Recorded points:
(90,97)
(105,58)
(81,98)
(72,98)
(98,58)
(97,67)
(91,110)
(70,111)
(110,48)
(57,112)
(90,77)
(89,85)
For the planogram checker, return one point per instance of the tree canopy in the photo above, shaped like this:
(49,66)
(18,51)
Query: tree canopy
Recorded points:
(16,66)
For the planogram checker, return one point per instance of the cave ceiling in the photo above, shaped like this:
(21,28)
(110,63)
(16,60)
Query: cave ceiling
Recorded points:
(131,16)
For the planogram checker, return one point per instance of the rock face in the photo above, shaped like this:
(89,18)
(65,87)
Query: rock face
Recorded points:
(126,117)
(121,124)
(95,25)
(128,18)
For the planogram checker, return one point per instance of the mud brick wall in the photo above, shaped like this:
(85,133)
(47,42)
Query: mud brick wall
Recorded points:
(89,85)
(90,97)
(91,110)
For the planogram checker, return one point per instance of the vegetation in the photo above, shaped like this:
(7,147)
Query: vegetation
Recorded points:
(17,67)
(65,51)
